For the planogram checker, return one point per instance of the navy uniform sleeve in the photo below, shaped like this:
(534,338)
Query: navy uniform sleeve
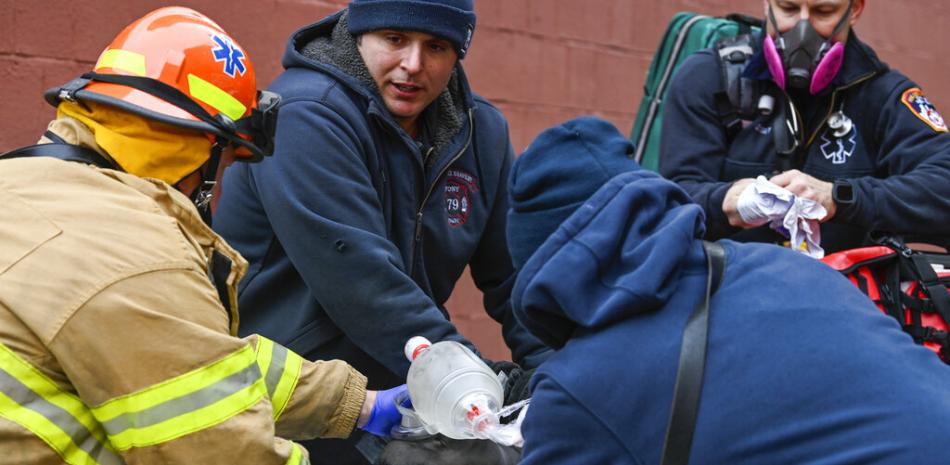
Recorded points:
(559,430)
(320,200)
(693,144)
(494,275)
(912,193)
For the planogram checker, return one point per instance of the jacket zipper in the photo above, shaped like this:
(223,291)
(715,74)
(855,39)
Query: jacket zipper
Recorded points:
(831,109)
(418,229)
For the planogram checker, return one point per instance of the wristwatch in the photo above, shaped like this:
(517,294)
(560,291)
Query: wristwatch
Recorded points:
(842,192)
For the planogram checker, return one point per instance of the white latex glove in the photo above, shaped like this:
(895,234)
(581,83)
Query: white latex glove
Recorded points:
(794,217)
(803,224)
(762,202)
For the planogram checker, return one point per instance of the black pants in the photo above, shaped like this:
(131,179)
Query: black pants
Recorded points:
(441,450)
(335,451)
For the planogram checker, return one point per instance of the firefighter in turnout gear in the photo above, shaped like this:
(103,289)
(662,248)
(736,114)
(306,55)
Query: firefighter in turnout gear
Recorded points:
(118,309)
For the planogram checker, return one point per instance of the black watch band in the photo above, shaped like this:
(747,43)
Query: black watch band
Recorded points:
(843,192)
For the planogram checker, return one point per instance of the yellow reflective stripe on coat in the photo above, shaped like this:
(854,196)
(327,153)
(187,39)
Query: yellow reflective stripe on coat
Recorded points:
(297,456)
(191,402)
(281,368)
(33,401)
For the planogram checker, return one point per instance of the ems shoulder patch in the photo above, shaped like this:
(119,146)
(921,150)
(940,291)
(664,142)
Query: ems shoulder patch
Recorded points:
(922,108)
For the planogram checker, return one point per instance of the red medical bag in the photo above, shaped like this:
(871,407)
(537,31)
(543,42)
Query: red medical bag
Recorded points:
(911,286)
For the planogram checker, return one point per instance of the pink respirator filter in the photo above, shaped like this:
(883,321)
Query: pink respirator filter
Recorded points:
(824,73)
(827,68)
(774,61)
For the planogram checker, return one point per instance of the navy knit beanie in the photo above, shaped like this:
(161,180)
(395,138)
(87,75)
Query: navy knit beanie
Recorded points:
(452,20)
(558,172)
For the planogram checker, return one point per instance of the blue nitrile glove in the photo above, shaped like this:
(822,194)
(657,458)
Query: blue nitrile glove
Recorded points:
(384,414)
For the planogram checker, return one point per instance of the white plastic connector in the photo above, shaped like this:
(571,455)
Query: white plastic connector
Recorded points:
(415,346)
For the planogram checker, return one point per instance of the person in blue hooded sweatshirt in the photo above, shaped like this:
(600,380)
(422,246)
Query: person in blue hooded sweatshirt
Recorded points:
(388,179)
(801,367)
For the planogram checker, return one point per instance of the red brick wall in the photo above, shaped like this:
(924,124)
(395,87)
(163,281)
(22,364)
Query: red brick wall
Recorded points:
(540,61)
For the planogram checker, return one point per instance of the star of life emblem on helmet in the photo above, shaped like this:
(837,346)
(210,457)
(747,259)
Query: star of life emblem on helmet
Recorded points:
(232,56)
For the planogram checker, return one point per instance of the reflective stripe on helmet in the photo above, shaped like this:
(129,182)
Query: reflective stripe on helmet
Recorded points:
(218,99)
(122,60)
(281,368)
(33,401)
(205,78)
(191,402)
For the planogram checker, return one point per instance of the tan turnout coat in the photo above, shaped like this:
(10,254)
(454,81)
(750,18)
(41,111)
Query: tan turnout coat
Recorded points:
(105,299)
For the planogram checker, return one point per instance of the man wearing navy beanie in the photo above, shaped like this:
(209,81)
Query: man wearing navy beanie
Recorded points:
(389,178)
(800,367)
(453,20)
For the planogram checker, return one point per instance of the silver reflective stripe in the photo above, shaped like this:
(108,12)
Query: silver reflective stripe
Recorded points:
(276,369)
(80,436)
(99,452)
(184,404)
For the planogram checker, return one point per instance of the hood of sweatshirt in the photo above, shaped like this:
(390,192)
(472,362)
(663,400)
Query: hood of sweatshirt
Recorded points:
(620,254)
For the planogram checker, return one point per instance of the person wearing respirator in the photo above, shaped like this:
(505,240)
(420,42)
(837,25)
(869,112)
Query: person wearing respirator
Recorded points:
(846,131)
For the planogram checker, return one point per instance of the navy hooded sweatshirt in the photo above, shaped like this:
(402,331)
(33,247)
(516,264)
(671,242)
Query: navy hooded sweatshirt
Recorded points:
(356,234)
(896,155)
(801,367)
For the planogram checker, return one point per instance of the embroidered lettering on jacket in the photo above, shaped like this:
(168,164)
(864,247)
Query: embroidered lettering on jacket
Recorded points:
(922,108)
(459,185)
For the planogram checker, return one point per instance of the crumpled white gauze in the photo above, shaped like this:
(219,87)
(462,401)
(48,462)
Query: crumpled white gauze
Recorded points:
(794,217)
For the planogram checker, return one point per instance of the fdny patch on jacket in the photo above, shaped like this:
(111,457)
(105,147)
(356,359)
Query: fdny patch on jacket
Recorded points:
(459,185)
(923,109)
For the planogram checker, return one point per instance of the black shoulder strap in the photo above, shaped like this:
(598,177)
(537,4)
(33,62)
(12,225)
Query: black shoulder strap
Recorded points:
(746,22)
(692,364)
(931,283)
(67,152)
(219,268)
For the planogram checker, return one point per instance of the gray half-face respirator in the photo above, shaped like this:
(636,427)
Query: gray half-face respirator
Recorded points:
(801,58)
